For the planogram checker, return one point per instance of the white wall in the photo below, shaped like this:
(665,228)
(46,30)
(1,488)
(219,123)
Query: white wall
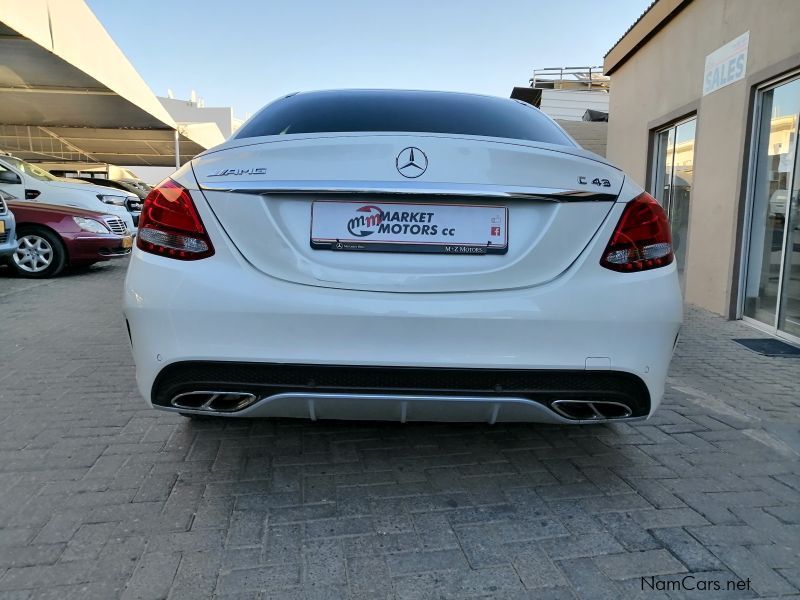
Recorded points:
(569,105)
(152,175)
(185,111)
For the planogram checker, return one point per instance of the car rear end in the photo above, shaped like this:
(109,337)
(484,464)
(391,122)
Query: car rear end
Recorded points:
(292,276)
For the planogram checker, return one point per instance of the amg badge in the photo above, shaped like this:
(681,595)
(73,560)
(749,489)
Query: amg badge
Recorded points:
(224,172)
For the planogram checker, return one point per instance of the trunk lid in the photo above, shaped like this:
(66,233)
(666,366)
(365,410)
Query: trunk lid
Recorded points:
(263,193)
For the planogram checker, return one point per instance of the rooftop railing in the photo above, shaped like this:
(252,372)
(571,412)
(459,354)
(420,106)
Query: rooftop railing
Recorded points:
(570,78)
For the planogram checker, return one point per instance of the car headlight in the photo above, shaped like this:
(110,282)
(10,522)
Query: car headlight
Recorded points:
(112,199)
(133,203)
(90,225)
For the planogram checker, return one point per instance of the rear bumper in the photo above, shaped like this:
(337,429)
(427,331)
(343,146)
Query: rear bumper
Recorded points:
(395,393)
(221,310)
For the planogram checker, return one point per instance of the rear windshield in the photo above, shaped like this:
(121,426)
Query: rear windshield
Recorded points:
(420,112)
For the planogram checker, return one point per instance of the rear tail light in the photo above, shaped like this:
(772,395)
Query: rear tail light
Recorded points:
(642,239)
(170,225)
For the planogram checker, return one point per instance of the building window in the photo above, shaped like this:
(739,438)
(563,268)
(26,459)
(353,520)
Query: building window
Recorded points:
(673,173)
(772,285)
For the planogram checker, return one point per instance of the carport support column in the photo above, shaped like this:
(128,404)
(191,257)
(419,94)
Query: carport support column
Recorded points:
(177,149)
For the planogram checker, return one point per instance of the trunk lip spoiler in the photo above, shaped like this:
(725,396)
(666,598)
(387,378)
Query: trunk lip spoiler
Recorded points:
(239,143)
(259,188)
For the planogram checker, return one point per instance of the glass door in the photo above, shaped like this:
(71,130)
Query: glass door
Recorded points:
(772,286)
(673,174)
(789,303)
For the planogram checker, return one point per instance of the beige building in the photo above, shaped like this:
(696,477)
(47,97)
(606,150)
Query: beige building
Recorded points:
(704,113)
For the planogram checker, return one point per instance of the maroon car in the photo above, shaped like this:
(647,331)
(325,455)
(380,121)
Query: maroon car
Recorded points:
(51,237)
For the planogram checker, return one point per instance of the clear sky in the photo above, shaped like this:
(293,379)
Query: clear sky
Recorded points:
(244,53)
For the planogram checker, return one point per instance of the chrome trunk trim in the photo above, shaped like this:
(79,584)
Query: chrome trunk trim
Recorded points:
(410,188)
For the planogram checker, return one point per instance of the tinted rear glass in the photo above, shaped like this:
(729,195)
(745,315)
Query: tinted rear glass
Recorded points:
(421,112)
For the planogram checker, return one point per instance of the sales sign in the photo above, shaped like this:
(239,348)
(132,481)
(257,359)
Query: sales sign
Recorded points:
(726,64)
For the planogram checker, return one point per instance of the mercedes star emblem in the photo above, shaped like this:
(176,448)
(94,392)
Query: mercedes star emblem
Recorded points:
(411,162)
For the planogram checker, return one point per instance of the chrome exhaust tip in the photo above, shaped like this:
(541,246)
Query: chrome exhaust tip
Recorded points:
(209,401)
(591,410)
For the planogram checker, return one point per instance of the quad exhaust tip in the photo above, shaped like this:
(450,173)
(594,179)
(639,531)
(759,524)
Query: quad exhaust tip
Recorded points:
(213,401)
(591,410)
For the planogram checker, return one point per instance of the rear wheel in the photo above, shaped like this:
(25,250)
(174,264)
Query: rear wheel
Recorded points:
(40,253)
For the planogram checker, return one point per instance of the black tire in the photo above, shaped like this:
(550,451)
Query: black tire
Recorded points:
(47,247)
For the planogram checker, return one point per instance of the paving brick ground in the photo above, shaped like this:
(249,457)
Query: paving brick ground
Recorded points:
(103,498)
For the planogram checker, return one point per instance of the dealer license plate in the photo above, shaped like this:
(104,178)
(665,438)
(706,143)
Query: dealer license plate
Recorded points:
(402,227)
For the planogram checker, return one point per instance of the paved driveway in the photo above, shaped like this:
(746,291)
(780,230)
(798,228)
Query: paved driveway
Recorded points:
(103,498)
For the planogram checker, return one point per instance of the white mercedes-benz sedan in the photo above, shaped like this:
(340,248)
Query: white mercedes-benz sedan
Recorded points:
(407,256)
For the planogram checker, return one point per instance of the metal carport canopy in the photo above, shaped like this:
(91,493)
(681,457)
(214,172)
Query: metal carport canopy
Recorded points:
(67,92)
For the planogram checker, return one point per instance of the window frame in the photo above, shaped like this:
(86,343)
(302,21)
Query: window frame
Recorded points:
(753,144)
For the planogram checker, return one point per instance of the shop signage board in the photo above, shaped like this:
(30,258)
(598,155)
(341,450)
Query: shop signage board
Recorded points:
(726,64)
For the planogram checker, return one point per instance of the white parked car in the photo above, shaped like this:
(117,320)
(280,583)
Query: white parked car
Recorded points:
(31,183)
(402,255)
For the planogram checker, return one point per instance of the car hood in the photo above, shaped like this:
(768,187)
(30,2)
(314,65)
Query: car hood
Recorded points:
(88,187)
(54,209)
